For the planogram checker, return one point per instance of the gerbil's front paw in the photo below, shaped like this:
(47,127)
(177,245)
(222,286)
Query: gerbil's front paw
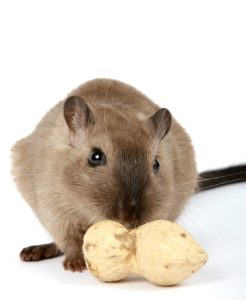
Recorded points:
(74,263)
(39,252)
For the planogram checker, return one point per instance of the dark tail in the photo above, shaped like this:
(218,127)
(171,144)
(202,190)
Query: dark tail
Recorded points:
(216,178)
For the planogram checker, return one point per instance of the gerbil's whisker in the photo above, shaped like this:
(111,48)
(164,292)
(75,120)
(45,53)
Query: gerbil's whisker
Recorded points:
(212,178)
(223,176)
(218,184)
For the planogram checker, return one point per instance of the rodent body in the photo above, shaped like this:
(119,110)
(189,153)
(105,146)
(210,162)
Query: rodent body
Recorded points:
(106,152)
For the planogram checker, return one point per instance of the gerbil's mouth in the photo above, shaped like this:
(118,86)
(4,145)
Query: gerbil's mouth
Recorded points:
(129,224)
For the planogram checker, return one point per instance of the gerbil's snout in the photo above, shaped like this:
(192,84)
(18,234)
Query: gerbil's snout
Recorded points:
(128,205)
(131,177)
(129,212)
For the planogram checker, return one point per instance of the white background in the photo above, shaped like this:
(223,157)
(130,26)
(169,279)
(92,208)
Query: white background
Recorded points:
(189,56)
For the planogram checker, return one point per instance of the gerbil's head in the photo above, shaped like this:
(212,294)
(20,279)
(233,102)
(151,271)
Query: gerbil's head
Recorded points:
(118,171)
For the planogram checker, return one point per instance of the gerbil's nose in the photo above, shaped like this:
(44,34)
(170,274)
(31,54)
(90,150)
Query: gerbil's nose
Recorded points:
(128,211)
(133,203)
(132,207)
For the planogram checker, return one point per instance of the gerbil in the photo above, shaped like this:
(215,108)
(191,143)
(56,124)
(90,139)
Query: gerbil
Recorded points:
(105,152)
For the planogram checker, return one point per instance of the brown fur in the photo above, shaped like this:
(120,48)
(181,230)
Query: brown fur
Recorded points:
(51,170)
(36,253)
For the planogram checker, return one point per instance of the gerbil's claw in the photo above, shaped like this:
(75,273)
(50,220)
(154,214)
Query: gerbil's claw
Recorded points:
(39,252)
(74,263)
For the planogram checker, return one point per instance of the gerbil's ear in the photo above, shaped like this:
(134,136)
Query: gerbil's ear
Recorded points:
(78,117)
(161,122)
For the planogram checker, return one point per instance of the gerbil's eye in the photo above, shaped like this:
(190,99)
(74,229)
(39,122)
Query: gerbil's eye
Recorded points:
(97,158)
(156,166)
